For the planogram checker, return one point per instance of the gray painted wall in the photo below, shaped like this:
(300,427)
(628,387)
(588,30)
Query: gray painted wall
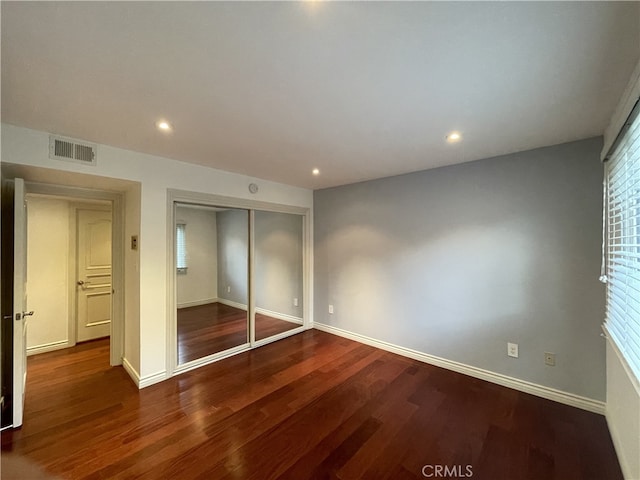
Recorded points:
(278,262)
(278,259)
(233,229)
(458,261)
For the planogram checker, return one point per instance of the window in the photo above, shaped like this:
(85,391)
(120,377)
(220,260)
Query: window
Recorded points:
(181,248)
(622,204)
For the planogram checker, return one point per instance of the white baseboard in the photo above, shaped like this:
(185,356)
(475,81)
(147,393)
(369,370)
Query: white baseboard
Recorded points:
(231,303)
(280,316)
(147,380)
(48,347)
(559,396)
(135,376)
(152,379)
(263,311)
(197,303)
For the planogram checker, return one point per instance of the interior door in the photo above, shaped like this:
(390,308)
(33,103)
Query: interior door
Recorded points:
(20,313)
(94,274)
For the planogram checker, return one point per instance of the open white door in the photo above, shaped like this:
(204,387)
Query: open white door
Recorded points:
(19,302)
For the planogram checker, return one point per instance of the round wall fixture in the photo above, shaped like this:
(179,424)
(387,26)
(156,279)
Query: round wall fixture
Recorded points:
(253,188)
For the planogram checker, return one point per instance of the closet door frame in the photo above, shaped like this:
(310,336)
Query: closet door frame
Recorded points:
(194,198)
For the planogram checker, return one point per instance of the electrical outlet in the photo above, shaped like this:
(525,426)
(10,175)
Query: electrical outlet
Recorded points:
(295,302)
(330,308)
(550,359)
(512,350)
(228,288)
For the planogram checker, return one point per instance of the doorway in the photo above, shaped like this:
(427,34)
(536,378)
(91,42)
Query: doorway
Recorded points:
(69,251)
(112,196)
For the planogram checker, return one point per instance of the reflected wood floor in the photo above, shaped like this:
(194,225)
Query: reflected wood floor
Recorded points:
(214,327)
(310,406)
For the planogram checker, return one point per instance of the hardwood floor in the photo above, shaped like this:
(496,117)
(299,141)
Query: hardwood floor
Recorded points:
(214,327)
(310,406)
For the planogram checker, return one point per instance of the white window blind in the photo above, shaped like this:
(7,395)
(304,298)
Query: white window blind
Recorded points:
(181,248)
(623,246)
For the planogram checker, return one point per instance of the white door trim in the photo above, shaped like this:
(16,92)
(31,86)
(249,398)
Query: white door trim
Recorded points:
(117,254)
(19,301)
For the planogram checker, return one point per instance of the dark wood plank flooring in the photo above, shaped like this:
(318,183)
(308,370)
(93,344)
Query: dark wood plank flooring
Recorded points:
(207,329)
(310,406)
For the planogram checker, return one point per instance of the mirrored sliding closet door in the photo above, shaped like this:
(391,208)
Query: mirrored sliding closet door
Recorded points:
(212,284)
(277,274)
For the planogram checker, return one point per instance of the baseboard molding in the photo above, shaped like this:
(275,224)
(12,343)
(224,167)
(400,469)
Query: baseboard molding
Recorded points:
(152,379)
(559,396)
(147,380)
(280,316)
(48,347)
(131,371)
(263,311)
(197,303)
(231,303)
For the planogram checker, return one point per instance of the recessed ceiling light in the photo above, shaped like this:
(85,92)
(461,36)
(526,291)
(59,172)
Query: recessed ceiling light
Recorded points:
(454,137)
(164,126)
(315,171)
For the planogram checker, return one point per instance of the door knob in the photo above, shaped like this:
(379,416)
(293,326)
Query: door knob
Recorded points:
(80,282)
(27,314)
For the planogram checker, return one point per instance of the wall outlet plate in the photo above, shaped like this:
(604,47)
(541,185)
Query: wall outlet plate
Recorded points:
(330,308)
(512,349)
(550,359)
(295,302)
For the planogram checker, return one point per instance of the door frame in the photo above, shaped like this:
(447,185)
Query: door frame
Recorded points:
(205,199)
(77,195)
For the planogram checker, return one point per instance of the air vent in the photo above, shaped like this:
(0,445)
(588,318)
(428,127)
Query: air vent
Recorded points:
(61,148)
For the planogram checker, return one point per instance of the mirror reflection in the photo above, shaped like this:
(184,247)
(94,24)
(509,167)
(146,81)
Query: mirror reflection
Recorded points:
(211,279)
(277,273)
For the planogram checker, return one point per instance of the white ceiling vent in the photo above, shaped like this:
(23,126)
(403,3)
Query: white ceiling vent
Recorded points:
(68,149)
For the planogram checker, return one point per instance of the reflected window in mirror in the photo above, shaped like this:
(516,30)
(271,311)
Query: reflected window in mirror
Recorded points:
(181,248)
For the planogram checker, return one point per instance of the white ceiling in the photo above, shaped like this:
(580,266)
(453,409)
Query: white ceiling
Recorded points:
(359,90)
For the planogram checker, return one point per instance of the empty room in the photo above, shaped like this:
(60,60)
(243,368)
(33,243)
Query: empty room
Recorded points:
(350,240)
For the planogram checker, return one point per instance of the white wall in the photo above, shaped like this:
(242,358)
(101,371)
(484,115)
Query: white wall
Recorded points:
(47,273)
(131,351)
(156,174)
(199,284)
(623,412)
